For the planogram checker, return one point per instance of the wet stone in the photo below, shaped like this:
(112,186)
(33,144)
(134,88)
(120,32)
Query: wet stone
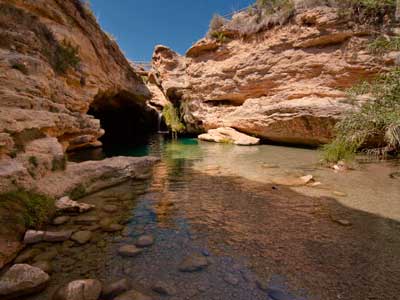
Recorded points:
(129,251)
(276,294)
(45,266)
(82,237)
(231,279)
(86,220)
(112,228)
(109,208)
(163,288)
(57,236)
(27,255)
(22,279)
(145,241)
(193,263)
(133,295)
(116,288)
(61,220)
(33,236)
(87,289)
(46,256)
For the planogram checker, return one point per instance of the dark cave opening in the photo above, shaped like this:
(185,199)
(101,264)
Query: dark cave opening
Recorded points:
(126,119)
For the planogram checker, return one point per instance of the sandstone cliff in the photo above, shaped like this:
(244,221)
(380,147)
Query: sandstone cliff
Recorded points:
(55,64)
(284,84)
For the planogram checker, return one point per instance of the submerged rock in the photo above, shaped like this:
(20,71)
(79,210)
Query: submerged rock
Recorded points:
(164,288)
(27,255)
(116,288)
(61,220)
(129,251)
(133,295)
(86,289)
(82,237)
(145,241)
(86,220)
(193,263)
(229,136)
(22,279)
(45,266)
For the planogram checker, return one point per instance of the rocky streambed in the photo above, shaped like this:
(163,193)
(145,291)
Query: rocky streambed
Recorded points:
(211,224)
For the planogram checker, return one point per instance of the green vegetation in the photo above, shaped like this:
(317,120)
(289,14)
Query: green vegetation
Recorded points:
(66,57)
(374,125)
(384,44)
(172,119)
(216,25)
(78,192)
(29,209)
(220,37)
(264,14)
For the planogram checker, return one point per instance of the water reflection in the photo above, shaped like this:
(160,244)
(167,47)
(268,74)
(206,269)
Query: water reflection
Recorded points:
(261,240)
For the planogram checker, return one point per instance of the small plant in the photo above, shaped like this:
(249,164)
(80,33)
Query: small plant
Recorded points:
(34,208)
(20,67)
(220,37)
(216,24)
(172,119)
(66,56)
(145,79)
(33,161)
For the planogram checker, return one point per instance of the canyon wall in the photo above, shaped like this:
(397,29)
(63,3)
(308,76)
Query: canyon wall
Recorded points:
(285,84)
(55,64)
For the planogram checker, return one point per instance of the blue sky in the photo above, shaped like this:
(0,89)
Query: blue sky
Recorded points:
(139,25)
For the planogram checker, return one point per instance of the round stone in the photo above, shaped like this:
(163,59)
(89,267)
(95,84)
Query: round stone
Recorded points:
(129,251)
(145,241)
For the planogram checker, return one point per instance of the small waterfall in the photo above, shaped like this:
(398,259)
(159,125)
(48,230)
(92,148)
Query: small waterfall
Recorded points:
(160,116)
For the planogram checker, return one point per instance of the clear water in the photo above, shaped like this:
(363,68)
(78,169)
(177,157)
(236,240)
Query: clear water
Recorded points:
(263,241)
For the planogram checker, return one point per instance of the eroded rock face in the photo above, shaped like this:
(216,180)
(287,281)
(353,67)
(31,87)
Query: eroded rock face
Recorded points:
(44,96)
(22,279)
(285,84)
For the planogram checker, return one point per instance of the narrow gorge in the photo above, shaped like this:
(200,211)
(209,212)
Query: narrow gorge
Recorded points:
(261,164)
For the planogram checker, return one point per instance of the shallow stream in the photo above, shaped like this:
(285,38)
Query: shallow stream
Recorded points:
(339,239)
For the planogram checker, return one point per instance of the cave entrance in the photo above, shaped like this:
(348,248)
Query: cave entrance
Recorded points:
(126,119)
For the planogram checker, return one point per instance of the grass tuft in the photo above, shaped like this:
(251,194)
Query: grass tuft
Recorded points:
(373,125)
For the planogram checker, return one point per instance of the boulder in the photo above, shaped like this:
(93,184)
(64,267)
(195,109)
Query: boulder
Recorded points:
(85,289)
(65,204)
(228,135)
(21,280)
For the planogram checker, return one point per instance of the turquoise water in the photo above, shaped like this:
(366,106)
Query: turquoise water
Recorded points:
(339,239)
